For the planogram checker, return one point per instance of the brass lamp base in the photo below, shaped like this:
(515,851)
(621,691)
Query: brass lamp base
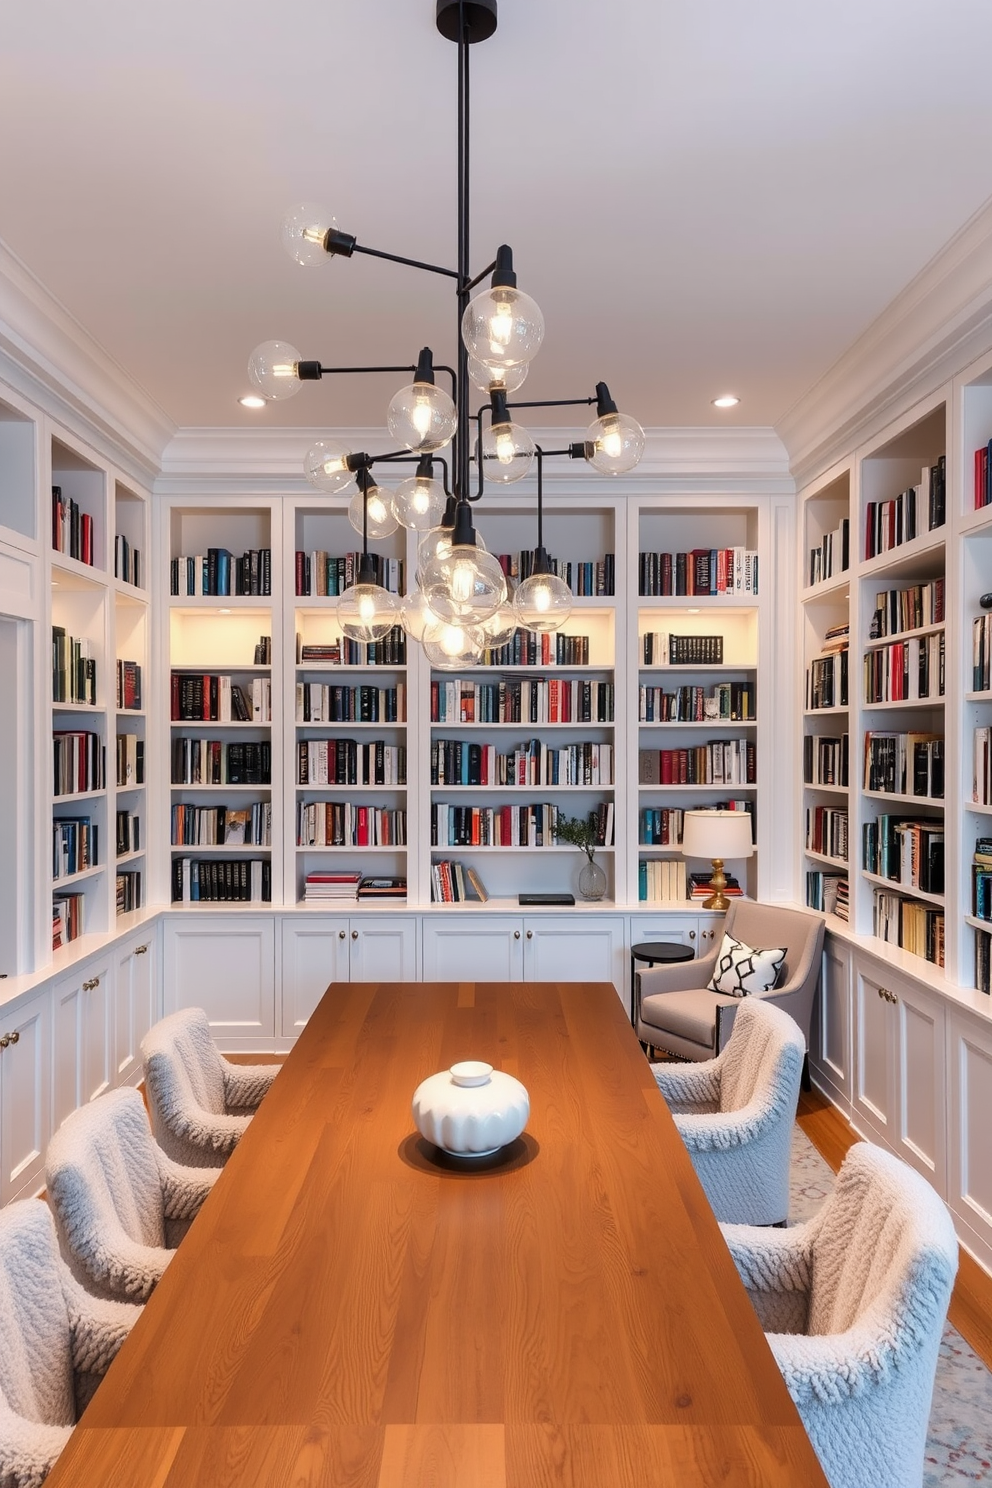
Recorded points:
(718,899)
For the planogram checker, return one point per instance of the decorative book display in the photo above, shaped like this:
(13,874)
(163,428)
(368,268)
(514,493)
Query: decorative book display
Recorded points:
(904,764)
(831,556)
(703,571)
(128,566)
(522,700)
(73,668)
(219,573)
(919,509)
(221,880)
(826,759)
(128,686)
(345,824)
(320,573)
(227,826)
(390,651)
(826,832)
(460,762)
(72,529)
(664,649)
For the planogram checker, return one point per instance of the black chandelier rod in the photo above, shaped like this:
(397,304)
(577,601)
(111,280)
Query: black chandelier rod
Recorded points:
(460,453)
(313,371)
(414,263)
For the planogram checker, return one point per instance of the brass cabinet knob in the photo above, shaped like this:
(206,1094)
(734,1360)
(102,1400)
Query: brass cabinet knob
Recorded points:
(516,934)
(341,935)
(692,934)
(354,934)
(15,1036)
(4,1040)
(140,950)
(530,935)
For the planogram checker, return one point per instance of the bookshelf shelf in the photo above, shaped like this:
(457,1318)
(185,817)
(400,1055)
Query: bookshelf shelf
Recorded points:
(901,704)
(907,890)
(817,857)
(66,880)
(933,802)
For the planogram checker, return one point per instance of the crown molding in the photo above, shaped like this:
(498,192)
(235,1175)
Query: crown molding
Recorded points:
(933,327)
(53,361)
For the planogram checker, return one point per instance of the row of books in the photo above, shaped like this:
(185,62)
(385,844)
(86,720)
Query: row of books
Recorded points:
(128,686)
(218,572)
(981,782)
(324,702)
(128,833)
(703,571)
(453,882)
(390,651)
(983,476)
(732,701)
(912,608)
(981,653)
(458,762)
(344,824)
(829,893)
(660,826)
(72,528)
(73,668)
(208,698)
(221,880)
(832,555)
(67,918)
(350,762)
(661,648)
(228,826)
(981,880)
(74,845)
(534,825)
(128,890)
(919,509)
(983,961)
(827,681)
(218,762)
(904,764)
(320,573)
(130,761)
(720,762)
(528,649)
(128,566)
(908,852)
(905,671)
(593,579)
(80,762)
(662,881)
(915,927)
(522,700)
(826,832)
(825,759)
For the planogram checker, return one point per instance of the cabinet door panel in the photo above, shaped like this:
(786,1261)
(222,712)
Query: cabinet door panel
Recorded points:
(486,949)
(920,1135)
(873,1073)
(678,929)
(227,969)
(574,950)
(970,1169)
(830,1033)
(384,950)
(135,1002)
(84,1059)
(313,956)
(25,1098)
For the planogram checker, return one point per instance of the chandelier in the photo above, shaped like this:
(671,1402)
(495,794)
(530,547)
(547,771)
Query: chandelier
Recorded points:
(461,604)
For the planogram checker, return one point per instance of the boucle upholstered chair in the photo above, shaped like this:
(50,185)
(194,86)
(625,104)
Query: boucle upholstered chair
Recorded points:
(735,1114)
(121,1206)
(200,1103)
(853,1304)
(673,1010)
(56,1343)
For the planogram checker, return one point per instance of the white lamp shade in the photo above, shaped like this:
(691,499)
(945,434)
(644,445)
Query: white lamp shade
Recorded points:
(717,834)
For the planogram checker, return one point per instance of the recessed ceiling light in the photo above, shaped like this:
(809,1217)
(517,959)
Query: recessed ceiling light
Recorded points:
(725,400)
(252,400)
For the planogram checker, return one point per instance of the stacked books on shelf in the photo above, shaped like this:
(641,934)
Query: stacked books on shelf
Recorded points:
(727,702)
(130,760)
(828,892)
(128,833)
(390,651)
(909,853)
(325,887)
(74,845)
(345,824)
(221,880)
(373,888)
(452,882)
(202,697)
(528,649)
(219,573)
(67,918)
(905,671)
(703,571)
(460,762)
(522,700)
(700,885)
(128,686)
(662,881)
(981,881)
(913,608)
(720,762)
(128,890)
(660,826)
(127,562)
(80,762)
(904,764)
(981,653)
(320,573)
(72,529)
(660,648)
(915,927)
(323,702)
(592,579)
(73,668)
(919,509)
(832,556)
(826,832)
(217,762)
(350,762)
(227,826)
(825,759)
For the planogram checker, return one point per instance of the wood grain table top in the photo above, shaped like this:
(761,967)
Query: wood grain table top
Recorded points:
(353,1308)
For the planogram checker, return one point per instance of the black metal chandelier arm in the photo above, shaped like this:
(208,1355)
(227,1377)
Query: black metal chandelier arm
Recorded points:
(413,263)
(553,403)
(540,497)
(466,289)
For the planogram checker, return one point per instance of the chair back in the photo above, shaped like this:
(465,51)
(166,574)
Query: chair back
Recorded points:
(764,1058)
(801,933)
(36,1378)
(183,1071)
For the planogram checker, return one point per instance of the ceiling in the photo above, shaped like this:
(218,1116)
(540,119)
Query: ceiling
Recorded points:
(700,197)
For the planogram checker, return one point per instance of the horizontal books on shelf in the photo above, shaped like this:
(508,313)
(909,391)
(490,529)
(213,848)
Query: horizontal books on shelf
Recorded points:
(522,700)
(128,890)
(703,571)
(219,573)
(323,702)
(662,881)
(67,918)
(128,833)
(74,845)
(72,529)
(981,880)
(700,886)
(130,761)
(350,762)
(222,826)
(919,509)
(452,882)
(832,556)
(221,880)
(981,653)
(826,831)
(200,697)
(73,668)
(528,649)
(373,888)
(905,671)
(660,826)
(216,762)
(331,888)
(320,573)
(827,681)
(660,648)
(594,579)
(128,566)
(905,764)
(128,686)
(720,762)
(345,824)
(458,762)
(390,651)
(728,701)
(825,759)
(909,853)
(508,826)
(915,927)
(80,762)
(829,893)
(907,609)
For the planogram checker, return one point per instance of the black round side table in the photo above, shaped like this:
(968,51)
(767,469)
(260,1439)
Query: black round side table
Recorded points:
(655,953)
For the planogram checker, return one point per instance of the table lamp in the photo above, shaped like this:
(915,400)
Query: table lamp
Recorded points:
(718,835)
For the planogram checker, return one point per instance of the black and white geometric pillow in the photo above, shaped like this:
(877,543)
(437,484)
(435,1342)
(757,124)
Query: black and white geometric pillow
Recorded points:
(741,969)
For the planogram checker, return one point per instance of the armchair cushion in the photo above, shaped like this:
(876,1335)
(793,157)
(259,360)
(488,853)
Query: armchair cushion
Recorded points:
(688,1015)
(742,969)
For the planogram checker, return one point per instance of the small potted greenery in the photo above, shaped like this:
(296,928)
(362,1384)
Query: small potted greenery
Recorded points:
(580,831)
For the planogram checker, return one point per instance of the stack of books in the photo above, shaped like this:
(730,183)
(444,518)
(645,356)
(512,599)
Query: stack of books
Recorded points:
(700,886)
(320,887)
(382,888)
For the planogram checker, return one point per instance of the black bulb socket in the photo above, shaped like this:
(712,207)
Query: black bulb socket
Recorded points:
(542,563)
(503,275)
(339,244)
(308,371)
(425,367)
(366,570)
(359,463)
(604,403)
(497,402)
(464,533)
(425,468)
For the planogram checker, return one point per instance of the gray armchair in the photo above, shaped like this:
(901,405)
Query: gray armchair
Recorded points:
(675,1011)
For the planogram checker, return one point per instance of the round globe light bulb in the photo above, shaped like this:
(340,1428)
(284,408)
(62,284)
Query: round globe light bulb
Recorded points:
(451,646)
(418,503)
(543,602)
(272,370)
(367,612)
(437,544)
(501,627)
(502,327)
(464,586)
(382,519)
(326,467)
(614,443)
(416,615)
(507,452)
(303,231)
(422,417)
(506,379)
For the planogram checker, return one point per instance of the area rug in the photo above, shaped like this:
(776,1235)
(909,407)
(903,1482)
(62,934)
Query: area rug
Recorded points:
(959,1440)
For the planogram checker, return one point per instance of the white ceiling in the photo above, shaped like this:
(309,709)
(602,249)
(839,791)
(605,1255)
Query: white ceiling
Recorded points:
(701,197)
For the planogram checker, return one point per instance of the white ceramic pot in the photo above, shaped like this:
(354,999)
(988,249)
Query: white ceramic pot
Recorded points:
(470,1110)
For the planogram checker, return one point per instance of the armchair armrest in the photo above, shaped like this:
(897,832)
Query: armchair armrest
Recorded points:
(28,1450)
(184,1189)
(776,1267)
(245,1085)
(97,1326)
(683,976)
(687,1087)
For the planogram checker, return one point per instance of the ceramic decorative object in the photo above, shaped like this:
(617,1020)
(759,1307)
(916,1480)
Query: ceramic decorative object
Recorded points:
(470,1110)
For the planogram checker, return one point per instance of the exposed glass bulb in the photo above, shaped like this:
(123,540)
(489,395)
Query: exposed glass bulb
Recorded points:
(452,646)
(500,628)
(614,443)
(272,369)
(416,615)
(422,417)
(326,467)
(438,543)
(382,519)
(465,585)
(303,232)
(508,379)
(367,612)
(543,602)
(507,452)
(503,327)
(418,503)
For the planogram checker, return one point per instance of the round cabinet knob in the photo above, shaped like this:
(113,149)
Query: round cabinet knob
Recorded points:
(140,950)
(881,991)
(530,935)
(341,935)
(14,1036)
(4,1040)
(516,934)
(692,934)
(354,934)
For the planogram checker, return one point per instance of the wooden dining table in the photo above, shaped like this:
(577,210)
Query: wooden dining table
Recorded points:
(353,1307)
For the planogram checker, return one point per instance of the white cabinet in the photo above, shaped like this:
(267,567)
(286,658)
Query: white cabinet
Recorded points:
(25,1095)
(226,967)
(574,948)
(465,947)
(830,1031)
(462,947)
(136,1001)
(969,1167)
(82,1010)
(701,932)
(318,952)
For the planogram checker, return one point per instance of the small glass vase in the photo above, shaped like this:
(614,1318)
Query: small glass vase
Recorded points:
(592,880)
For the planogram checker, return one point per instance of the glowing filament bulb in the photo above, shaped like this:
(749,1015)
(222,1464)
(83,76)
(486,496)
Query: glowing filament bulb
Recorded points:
(612,441)
(501,327)
(452,640)
(462,581)
(421,416)
(366,608)
(505,447)
(377,507)
(334,467)
(420,501)
(541,598)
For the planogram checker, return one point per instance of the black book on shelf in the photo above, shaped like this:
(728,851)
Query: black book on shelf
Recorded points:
(527,899)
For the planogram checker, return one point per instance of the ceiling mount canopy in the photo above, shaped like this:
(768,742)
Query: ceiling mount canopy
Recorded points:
(471,20)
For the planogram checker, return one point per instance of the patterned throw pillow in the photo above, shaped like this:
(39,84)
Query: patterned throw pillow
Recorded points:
(741,969)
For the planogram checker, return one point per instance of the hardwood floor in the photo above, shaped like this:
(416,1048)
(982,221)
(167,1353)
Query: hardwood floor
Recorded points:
(971,1304)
